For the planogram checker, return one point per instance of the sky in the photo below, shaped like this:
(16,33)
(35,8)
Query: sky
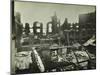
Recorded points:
(42,12)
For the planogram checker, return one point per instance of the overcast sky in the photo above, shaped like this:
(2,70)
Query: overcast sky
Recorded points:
(42,12)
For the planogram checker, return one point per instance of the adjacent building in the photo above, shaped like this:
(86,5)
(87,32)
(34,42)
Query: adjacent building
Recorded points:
(87,23)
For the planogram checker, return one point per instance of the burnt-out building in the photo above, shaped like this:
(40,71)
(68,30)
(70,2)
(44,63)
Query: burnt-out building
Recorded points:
(17,28)
(53,25)
(37,29)
(70,31)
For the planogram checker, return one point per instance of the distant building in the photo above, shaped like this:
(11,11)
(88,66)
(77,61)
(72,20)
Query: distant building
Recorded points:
(27,29)
(65,25)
